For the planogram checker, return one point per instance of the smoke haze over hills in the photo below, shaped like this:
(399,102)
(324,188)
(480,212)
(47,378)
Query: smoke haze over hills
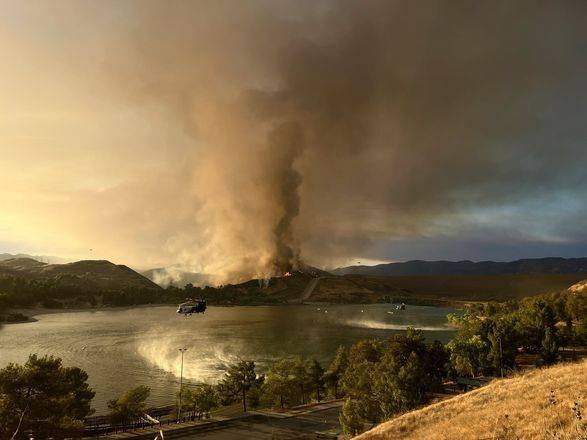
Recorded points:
(242,138)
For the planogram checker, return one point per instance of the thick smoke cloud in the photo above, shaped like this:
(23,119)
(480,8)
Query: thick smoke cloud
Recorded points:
(286,140)
(321,128)
(313,132)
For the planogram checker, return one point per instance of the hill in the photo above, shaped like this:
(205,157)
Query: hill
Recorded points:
(42,258)
(286,289)
(304,286)
(95,277)
(89,275)
(433,289)
(175,275)
(428,290)
(579,287)
(536,405)
(551,265)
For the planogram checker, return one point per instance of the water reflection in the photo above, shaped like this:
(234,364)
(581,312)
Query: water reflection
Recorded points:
(122,348)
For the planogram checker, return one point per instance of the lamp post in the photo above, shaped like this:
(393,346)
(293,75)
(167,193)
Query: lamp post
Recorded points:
(182,350)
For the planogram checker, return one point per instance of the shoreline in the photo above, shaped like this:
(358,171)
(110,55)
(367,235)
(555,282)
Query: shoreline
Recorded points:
(33,312)
(36,311)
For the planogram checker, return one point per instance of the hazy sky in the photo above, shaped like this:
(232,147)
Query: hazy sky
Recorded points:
(242,137)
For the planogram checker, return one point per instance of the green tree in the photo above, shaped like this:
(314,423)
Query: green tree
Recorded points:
(44,397)
(468,356)
(238,380)
(438,361)
(576,305)
(254,394)
(301,379)
(386,378)
(469,349)
(532,319)
(408,371)
(357,380)
(366,351)
(206,398)
(316,374)
(549,350)
(201,399)
(337,369)
(351,418)
(279,382)
(398,385)
(130,406)
(4,302)
(188,402)
(357,383)
(503,343)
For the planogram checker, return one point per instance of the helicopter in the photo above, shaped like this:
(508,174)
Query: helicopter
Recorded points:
(192,306)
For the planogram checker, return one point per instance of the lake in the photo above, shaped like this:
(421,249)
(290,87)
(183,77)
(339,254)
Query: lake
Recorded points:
(122,348)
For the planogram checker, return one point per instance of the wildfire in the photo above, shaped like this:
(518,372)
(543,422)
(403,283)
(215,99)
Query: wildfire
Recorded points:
(287,274)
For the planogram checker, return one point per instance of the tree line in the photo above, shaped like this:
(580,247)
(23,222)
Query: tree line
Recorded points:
(377,378)
(57,293)
(491,335)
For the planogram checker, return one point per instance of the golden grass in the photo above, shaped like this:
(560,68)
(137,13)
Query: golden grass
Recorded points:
(520,407)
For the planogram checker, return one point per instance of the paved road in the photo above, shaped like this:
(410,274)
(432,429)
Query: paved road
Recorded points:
(318,424)
(318,421)
(308,290)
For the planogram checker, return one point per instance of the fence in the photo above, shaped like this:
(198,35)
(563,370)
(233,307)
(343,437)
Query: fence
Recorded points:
(97,426)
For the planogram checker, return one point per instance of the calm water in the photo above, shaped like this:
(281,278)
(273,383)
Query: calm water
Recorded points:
(123,348)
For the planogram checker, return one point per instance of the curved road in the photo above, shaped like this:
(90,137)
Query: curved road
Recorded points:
(308,290)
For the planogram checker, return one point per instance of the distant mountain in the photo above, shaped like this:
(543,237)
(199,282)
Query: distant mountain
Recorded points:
(42,258)
(551,265)
(86,274)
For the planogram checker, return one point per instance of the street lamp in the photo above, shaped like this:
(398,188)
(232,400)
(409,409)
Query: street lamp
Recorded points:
(182,350)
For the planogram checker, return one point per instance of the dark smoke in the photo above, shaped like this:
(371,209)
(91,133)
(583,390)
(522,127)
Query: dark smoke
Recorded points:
(286,143)
(321,128)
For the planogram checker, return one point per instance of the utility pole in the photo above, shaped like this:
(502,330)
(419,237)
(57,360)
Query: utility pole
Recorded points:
(182,350)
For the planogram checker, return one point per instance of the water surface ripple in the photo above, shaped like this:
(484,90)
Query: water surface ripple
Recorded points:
(122,348)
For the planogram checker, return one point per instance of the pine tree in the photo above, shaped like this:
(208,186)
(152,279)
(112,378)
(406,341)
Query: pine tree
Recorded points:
(350,417)
(317,378)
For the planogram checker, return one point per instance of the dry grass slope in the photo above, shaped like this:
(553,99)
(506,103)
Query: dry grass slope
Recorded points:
(521,407)
(440,289)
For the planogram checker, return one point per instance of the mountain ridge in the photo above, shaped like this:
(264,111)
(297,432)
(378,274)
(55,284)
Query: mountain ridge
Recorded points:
(553,265)
(50,259)
(86,274)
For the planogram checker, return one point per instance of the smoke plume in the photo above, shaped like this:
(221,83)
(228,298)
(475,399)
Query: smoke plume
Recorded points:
(324,127)
(316,131)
